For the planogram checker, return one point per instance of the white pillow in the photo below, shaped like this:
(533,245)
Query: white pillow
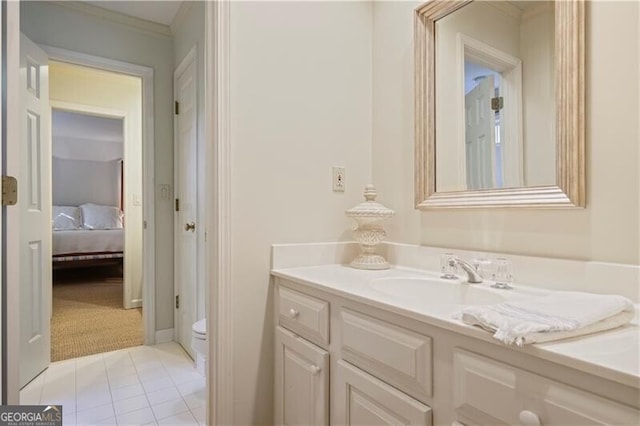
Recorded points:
(66,217)
(96,216)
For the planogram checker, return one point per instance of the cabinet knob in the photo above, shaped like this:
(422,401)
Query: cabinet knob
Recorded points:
(528,418)
(293,313)
(315,370)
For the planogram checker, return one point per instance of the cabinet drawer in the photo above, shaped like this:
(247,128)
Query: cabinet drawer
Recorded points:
(304,315)
(397,355)
(364,400)
(490,392)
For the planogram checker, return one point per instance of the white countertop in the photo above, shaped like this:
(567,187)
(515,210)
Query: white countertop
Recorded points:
(613,354)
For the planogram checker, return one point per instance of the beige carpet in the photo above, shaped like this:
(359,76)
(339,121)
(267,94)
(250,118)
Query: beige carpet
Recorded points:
(88,315)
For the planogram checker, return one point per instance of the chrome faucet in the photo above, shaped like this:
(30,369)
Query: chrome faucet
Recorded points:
(473,276)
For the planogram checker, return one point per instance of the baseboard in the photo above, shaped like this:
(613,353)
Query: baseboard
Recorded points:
(136,303)
(164,336)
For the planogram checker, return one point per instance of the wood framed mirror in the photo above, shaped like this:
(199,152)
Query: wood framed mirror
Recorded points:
(499,115)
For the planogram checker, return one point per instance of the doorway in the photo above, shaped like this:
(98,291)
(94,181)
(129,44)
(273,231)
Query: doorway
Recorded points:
(153,57)
(95,283)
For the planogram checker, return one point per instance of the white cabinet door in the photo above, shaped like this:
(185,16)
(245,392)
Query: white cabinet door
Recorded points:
(487,391)
(361,399)
(302,381)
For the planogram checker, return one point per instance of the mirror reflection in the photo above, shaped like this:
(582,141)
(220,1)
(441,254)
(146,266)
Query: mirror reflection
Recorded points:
(495,96)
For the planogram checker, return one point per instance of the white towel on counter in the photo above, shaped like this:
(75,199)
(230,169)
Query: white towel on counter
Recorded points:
(559,315)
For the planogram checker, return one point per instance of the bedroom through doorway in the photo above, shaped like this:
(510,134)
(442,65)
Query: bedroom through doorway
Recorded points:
(97,220)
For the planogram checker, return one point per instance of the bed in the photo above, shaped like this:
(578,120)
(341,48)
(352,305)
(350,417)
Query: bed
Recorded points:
(87,234)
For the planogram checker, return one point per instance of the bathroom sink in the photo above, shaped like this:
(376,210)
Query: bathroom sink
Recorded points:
(436,292)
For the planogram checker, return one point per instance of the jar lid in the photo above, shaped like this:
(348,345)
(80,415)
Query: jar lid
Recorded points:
(370,208)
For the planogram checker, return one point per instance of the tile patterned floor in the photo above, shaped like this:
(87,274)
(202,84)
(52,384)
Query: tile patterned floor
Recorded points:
(155,385)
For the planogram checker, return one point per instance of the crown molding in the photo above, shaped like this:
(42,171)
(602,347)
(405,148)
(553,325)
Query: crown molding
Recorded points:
(152,28)
(180,17)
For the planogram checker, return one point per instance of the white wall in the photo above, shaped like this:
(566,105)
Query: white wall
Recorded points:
(300,103)
(189,32)
(59,26)
(607,230)
(75,182)
(71,84)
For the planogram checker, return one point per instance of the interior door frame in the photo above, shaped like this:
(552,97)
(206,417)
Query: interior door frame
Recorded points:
(220,377)
(218,218)
(148,169)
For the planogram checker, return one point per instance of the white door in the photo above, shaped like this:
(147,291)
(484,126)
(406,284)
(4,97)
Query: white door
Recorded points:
(480,135)
(361,399)
(186,200)
(34,201)
(301,382)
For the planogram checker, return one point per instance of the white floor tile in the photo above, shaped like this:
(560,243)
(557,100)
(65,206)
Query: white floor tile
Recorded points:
(68,419)
(179,360)
(67,402)
(30,395)
(94,415)
(127,392)
(90,379)
(120,381)
(152,374)
(200,414)
(138,417)
(91,389)
(192,386)
(93,398)
(111,421)
(164,395)
(196,399)
(182,419)
(133,386)
(62,385)
(157,384)
(61,367)
(130,404)
(91,361)
(169,408)
(120,371)
(184,375)
(68,416)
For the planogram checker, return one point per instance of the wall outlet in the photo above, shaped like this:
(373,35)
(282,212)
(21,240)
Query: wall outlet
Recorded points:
(338,179)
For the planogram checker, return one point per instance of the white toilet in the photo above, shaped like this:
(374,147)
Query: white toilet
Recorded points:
(200,344)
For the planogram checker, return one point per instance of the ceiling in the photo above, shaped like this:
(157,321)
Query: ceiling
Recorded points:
(159,11)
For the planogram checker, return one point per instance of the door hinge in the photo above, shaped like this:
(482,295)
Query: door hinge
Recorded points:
(177,301)
(497,103)
(9,191)
(177,107)
(177,204)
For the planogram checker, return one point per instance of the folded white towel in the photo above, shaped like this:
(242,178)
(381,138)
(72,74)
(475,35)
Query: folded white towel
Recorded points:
(522,321)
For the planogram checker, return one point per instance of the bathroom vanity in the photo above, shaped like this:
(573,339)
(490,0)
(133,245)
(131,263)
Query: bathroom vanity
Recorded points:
(381,347)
